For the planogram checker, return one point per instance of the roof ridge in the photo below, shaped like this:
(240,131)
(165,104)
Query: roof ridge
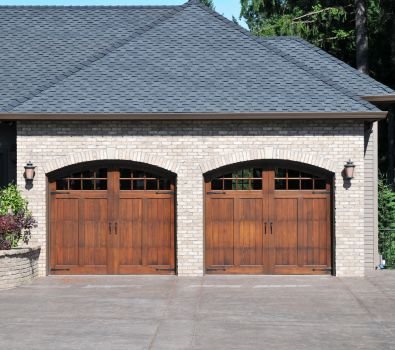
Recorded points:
(93,58)
(284,55)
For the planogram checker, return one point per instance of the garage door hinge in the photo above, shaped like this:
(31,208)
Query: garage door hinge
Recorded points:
(60,269)
(215,269)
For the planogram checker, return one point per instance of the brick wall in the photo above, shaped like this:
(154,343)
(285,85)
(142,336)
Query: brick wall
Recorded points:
(191,148)
(18,266)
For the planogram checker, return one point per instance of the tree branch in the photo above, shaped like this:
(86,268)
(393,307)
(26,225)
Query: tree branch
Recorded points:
(317,12)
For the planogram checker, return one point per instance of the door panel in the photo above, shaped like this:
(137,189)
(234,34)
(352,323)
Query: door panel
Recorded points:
(314,245)
(284,233)
(130,232)
(64,238)
(220,232)
(249,232)
(78,235)
(157,237)
(95,233)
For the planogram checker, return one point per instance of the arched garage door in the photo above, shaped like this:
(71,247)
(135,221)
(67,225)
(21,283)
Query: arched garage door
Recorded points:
(268,219)
(112,219)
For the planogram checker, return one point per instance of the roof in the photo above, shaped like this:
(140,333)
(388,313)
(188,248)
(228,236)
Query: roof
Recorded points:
(164,59)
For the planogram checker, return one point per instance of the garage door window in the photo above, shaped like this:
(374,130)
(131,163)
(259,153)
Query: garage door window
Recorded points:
(136,180)
(288,179)
(89,180)
(249,179)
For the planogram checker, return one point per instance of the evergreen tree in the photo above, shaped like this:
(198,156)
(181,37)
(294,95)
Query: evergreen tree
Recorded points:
(386,210)
(208,3)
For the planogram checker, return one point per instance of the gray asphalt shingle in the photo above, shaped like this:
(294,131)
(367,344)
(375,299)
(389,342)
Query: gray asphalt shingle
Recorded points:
(164,59)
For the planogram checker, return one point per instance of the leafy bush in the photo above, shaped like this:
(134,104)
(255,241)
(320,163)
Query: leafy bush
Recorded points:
(386,207)
(16,221)
(11,200)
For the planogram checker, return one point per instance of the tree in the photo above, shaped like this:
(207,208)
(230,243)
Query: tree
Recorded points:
(361,33)
(208,3)
(327,24)
(386,211)
(339,27)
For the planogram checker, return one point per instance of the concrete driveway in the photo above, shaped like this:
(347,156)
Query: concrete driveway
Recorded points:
(214,312)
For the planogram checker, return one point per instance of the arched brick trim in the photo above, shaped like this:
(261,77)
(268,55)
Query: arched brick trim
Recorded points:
(268,153)
(111,154)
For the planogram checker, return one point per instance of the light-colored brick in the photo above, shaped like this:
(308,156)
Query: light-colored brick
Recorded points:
(190,148)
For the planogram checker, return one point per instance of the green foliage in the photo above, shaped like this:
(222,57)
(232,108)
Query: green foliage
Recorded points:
(16,221)
(381,18)
(386,208)
(11,200)
(327,24)
(208,3)
(386,197)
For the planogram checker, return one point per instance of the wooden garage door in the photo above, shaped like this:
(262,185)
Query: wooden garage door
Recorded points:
(112,220)
(266,220)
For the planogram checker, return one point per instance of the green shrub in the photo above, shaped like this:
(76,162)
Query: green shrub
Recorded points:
(16,221)
(11,200)
(386,208)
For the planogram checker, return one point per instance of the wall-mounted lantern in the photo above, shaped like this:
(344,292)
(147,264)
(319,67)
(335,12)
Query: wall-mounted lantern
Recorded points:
(29,172)
(349,168)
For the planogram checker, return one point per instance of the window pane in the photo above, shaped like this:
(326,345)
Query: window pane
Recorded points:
(246,173)
(293,173)
(126,185)
(87,184)
(305,175)
(280,184)
(237,173)
(228,184)
(138,174)
(242,185)
(61,185)
(87,174)
(293,184)
(307,184)
(101,185)
(257,172)
(76,175)
(125,173)
(256,184)
(320,184)
(280,172)
(152,185)
(102,173)
(75,184)
(164,184)
(216,184)
(138,185)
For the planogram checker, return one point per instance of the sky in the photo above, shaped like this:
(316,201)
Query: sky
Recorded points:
(224,7)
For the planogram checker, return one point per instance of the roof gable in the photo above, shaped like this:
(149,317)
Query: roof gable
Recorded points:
(187,59)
